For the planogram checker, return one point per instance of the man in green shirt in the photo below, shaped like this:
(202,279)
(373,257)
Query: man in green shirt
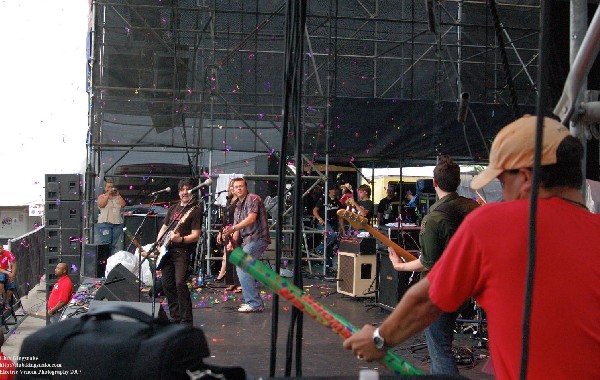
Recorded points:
(437,227)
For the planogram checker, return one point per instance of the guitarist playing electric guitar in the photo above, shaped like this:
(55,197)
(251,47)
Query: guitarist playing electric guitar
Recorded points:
(181,241)
(438,226)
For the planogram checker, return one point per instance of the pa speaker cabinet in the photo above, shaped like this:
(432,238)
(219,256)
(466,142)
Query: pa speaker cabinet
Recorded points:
(356,274)
(63,241)
(93,259)
(63,214)
(64,187)
(120,285)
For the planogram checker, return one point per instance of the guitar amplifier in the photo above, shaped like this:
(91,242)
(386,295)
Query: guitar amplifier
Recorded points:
(360,246)
(356,274)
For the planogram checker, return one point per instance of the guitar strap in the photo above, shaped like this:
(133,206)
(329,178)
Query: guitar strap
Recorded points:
(175,218)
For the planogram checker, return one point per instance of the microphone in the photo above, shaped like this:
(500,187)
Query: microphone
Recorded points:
(205,183)
(463,107)
(165,190)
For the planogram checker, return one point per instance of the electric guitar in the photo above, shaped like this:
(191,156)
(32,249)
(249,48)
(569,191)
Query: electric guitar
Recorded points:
(361,223)
(228,238)
(164,248)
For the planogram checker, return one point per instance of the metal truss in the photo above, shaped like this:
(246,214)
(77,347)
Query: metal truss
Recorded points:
(199,82)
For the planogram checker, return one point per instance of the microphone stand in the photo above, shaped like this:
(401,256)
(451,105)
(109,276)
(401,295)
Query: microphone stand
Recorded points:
(202,269)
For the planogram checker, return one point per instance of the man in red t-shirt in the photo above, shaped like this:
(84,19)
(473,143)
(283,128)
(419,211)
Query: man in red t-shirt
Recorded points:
(8,268)
(487,259)
(61,293)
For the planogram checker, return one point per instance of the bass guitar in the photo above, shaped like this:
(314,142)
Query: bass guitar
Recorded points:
(361,223)
(164,248)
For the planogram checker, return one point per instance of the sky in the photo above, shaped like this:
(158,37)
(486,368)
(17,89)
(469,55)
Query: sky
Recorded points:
(43,102)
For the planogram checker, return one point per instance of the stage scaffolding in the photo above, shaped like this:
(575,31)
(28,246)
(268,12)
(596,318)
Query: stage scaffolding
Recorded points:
(197,85)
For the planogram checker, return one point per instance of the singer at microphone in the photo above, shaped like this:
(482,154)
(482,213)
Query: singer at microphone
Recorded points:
(165,190)
(205,183)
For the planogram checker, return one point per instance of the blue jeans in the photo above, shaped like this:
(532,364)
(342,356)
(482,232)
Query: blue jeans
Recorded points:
(329,240)
(8,285)
(439,337)
(255,249)
(110,234)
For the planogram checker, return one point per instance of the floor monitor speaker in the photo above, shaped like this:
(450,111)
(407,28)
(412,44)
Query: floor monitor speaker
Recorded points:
(120,285)
(356,274)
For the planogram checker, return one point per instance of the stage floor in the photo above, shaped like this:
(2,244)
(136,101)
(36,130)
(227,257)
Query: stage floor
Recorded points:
(237,339)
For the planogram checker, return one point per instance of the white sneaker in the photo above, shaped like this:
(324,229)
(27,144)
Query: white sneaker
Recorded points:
(245,308)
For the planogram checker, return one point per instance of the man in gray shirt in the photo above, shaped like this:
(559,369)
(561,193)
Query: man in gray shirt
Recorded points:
(250,224)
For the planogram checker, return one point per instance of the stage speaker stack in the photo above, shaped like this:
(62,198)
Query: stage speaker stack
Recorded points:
(63,226)
(357,266)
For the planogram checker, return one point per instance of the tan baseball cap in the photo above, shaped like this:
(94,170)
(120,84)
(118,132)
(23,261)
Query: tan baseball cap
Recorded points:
(513,147)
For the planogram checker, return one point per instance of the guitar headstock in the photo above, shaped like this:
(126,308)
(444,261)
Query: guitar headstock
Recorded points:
(356,221)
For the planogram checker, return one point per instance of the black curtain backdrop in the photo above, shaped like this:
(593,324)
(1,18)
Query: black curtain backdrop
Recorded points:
(384,131)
